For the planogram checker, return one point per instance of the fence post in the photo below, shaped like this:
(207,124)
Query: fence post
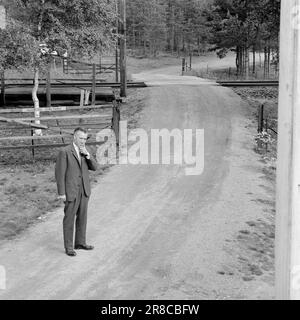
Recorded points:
(65,65)
(87,97)
(32,142)
(48,86)
(81,98)
(116,123)
(260,118)
(183,65)
(54,64)
(94,86)
(2,98)
(100,66)
(117,65)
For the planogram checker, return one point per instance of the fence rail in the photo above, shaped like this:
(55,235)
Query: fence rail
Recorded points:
(63,128)
(71,66)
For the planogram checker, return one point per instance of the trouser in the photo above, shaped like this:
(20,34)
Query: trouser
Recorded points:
(78,209)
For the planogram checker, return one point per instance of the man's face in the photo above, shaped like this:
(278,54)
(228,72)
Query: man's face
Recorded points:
(80,139)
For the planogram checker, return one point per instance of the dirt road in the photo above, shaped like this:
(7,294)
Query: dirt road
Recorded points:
(158,234)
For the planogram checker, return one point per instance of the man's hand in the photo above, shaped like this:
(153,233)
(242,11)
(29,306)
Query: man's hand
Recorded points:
(84,152)
(63,198)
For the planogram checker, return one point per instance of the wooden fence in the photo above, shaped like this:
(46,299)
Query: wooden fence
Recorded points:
(264,122)
(57,125)
(55,91)
(108,65)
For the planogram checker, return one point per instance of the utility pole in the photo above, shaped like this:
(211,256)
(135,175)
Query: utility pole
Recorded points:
(117,65)
(117,44)
(122,32)
(287,253)
(2,71)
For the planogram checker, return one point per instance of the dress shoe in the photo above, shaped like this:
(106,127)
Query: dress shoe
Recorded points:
(70,252)
(84,247)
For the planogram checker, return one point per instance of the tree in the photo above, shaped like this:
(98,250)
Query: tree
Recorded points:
(172,25)
(239,25)
(80,27)
(146,25)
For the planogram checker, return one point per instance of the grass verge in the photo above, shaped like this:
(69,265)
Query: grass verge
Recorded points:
(256,258)
(230,74)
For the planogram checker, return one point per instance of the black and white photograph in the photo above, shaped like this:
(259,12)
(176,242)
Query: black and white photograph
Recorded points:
(149,151)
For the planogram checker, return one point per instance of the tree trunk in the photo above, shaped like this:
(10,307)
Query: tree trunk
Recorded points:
(243,61)
(2,98)
(254,61)
(133,37)
(247,63)
(48,86)
(260,65)
(199,46)
(265,62)
(140,40)
(175,43)
(237,61)
(178,46)
(269,60)
(145,52)
(36,101)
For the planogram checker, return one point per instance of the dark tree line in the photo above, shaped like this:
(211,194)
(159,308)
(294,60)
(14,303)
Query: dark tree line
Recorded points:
(246,27)
(166,25)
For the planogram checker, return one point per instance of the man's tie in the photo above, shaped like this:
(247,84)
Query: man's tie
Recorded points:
(79,157)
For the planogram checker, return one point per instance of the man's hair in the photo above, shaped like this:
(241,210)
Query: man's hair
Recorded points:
(80,129)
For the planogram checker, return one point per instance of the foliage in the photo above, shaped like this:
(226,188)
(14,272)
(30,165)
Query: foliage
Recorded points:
(263,137)
(173,25)
(80,27)
(239,25)
(239,22)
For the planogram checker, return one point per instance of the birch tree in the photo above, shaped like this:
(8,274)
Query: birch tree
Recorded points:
(79,27)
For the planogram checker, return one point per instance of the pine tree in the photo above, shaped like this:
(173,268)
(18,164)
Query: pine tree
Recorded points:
(240,25)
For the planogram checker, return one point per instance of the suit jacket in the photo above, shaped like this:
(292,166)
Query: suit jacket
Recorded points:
(70,175)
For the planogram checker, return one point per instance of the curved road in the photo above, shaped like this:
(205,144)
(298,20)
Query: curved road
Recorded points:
(158,234)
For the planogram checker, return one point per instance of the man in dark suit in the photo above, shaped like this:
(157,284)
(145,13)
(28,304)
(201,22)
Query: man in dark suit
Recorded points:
(72,177)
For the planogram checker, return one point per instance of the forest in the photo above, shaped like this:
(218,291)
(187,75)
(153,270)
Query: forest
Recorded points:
(186,27)
(180,27)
